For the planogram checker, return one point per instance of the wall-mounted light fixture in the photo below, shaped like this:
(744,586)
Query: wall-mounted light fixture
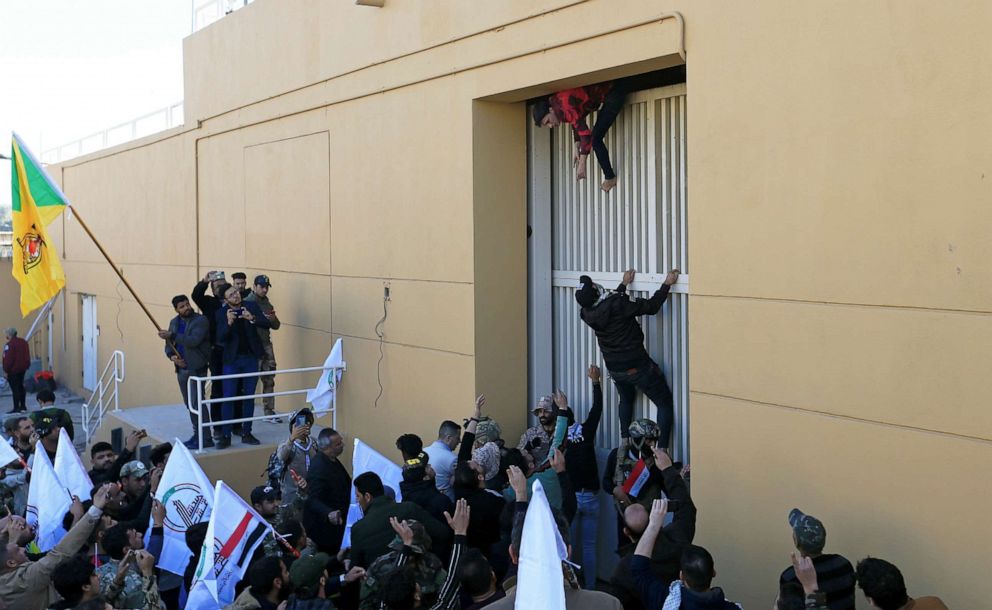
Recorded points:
(378,3)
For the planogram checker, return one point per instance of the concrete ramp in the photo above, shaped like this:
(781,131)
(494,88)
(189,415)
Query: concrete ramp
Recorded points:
(240,466)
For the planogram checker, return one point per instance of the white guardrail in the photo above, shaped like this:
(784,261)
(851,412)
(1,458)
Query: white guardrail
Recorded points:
(107,392)
(199,405)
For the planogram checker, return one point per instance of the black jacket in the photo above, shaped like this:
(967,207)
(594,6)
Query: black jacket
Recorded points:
(580,455)
(371,535)
(228,336)
(667,553)
(614,319)
(208,304)
(330,490)
(425,495)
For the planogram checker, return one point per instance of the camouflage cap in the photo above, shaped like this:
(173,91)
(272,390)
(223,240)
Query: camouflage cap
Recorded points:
(487,430)
(306,571)
(545,403)
(134,468)
(809,531)
(644,428)
(421,539)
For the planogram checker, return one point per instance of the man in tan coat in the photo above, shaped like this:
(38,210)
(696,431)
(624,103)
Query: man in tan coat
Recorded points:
(26,584)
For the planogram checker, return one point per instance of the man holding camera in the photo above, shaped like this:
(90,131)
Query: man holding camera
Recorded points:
(236,323)
(259,293)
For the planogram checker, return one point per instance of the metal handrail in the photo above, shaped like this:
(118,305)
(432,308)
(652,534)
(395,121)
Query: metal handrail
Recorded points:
(199,402)
(107,391)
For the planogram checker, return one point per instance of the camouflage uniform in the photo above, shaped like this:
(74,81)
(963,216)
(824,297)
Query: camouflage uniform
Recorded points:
(430,572)
(138,591)
(640,430)
(293,510)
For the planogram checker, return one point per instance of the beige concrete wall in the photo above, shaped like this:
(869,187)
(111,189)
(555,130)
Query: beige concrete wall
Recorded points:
(840,287)
(10,303)
(837,176)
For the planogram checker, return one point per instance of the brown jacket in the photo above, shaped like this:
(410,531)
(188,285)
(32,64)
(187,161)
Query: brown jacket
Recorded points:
(575,599)
(28,585)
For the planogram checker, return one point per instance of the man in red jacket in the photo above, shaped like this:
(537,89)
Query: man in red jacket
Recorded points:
(572,106)
(16,361)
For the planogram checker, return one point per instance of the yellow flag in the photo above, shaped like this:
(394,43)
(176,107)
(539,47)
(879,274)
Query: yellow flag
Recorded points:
(36,202)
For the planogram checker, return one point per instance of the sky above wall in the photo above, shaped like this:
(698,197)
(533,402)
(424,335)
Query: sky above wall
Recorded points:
(70,68)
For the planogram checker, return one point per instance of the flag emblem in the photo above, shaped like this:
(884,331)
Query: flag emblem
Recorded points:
(189,504)
(31,248)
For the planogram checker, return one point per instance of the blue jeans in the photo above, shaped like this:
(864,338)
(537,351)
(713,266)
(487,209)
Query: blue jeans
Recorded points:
(649,379)
(585,526)
(242,386)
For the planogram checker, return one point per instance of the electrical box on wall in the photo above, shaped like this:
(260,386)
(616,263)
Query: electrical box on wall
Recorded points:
(379,3)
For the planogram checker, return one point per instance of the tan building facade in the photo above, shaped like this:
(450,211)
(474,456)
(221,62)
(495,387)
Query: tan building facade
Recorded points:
(836,161)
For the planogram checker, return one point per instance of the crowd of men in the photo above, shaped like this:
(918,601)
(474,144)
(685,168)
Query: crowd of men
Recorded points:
(454,540)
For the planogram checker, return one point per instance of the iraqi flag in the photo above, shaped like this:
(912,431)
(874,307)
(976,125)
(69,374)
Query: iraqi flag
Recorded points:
(188,497)
(48,502)
(234,532)
(366,459)
(638,477)
(321,398)
(70,470)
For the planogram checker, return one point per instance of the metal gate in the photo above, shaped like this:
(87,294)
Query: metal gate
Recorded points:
(579,230)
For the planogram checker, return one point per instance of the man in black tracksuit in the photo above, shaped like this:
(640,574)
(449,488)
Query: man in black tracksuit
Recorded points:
(614,319)
(209,305)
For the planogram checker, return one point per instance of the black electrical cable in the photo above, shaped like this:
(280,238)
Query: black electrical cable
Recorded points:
(380,332)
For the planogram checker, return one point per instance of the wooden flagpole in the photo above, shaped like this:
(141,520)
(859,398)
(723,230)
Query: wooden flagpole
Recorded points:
(113,265)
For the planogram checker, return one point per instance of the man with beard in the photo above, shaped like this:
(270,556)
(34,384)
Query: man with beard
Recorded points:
(536,440)
(187,345)
(237,322)
(269,585)
(20,429)
(107,465)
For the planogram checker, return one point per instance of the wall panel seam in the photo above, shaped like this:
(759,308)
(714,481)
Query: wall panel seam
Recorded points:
(850,418)
(910,308)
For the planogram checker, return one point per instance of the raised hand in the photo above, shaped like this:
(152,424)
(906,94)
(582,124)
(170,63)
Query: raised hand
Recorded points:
(672,277)
(661,458)
(628,277)
(518,482)
(805,572)
(459,523)
(594,373)
(103,495)
(659,508)
(158,513)
(403,530)
(561,400)
(479,403)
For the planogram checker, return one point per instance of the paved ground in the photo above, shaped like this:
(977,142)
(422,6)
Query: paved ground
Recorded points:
(63,400)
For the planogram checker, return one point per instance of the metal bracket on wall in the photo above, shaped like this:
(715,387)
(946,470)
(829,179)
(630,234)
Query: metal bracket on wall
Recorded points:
(377,3)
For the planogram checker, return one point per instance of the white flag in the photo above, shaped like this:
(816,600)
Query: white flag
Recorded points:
(366,459)
(187,496)
(234,532)
(540,583)
(321,397)
(48,502)
(70,470)
(7,453)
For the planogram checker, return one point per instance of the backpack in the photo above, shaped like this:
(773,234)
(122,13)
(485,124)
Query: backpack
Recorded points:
(276,468)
